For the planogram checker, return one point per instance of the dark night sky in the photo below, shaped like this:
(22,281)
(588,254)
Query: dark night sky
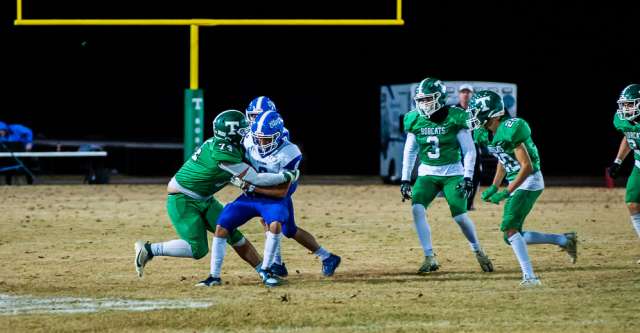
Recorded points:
(569,59)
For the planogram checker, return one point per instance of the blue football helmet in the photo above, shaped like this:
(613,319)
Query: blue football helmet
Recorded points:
(257,106)
(268,132)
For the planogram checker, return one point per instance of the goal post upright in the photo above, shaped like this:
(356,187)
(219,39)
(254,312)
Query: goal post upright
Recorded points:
(194,101)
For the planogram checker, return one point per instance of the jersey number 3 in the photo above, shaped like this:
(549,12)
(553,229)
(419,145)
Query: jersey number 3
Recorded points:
(434,151)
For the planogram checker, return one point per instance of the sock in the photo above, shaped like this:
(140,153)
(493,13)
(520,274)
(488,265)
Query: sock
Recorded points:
(469,230)
(532,237)
(172,248)
(422,228)
(218,250)
(278,257)
(322,253)
(270,246)
(519,247)
(635,220)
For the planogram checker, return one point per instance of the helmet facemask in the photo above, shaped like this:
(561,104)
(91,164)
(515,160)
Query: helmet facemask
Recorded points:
(252,115)
(628,109)
(266,143)
(427,104)
(472,119)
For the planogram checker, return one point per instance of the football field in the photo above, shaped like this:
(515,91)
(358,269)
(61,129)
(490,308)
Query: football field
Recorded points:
(67,264)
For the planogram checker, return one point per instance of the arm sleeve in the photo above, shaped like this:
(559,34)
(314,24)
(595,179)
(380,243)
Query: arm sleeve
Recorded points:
(468,152)
(258,179)
(409,156)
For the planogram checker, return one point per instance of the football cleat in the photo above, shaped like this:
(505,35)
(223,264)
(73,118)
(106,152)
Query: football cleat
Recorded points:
(330,265)
(143,256)
(268,279)
(209,281)
(279,270)
(528,282)
(484,261)
(572,246)
(429,265)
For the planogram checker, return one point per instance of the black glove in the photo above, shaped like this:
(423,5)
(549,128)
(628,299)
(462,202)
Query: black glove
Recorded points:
(405,190)
(465,187)
(614,169)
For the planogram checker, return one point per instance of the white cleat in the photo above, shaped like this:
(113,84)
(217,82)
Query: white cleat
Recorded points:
(528,282)
(142,257)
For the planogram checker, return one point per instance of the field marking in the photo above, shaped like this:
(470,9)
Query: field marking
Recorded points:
(17,305)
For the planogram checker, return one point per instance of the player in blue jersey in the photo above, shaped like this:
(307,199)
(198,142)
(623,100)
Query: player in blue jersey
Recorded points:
(270,151)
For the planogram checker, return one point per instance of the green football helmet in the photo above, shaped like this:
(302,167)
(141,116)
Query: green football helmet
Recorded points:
(230,125)
(431,96)
(484,104)
(629,103)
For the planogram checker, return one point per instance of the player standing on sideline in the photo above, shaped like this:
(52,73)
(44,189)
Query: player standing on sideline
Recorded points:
(437,134)
(191,206)
(520,163)
(465,92)
(270,153)
(627,121)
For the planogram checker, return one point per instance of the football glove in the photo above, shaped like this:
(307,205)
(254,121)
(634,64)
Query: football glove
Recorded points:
(614,169)
(486,194)
(243,185)
(499,196)
(405,190)
(465,187)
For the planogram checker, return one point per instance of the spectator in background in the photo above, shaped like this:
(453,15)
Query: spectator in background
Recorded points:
(465,92)
(16,133)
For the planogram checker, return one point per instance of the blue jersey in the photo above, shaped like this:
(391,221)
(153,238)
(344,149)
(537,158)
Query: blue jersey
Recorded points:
(286,157)
(246,207)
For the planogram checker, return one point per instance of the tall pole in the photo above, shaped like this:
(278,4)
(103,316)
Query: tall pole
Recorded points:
(193,100)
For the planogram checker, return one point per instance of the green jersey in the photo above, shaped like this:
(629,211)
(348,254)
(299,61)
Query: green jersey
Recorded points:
(202,173)
(438,141)
(632,133)
(510,134)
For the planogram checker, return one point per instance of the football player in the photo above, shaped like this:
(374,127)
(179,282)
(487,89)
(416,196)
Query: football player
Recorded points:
(191,205)
(438,135)
(270,153)
(509,140)
(627,121)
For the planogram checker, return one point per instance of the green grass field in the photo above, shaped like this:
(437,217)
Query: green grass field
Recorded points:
(77,241)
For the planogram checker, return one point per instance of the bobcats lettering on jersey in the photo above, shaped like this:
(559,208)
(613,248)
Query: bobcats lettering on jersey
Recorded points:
(437,140)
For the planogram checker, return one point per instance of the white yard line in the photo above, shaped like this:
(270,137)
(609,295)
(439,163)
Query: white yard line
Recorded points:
(16,305)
